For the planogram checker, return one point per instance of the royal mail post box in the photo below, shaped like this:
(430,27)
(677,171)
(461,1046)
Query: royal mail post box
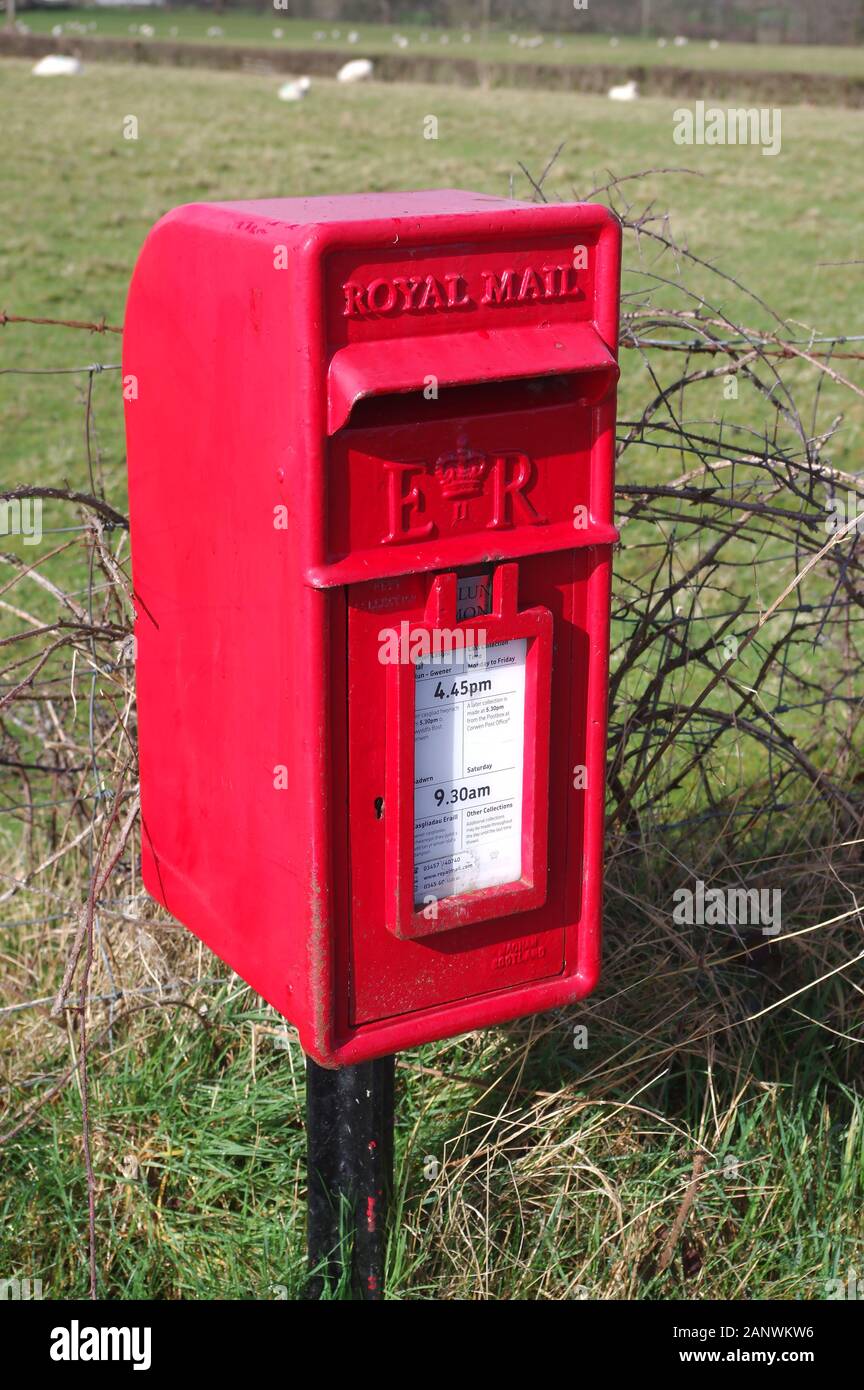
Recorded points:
(370,446)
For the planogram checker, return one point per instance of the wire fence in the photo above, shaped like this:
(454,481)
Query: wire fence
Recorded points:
(735,718)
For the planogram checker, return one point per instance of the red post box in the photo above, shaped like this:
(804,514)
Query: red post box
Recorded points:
(370,446)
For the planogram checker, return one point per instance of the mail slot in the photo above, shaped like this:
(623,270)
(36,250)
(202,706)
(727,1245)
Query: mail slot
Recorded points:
(370,447)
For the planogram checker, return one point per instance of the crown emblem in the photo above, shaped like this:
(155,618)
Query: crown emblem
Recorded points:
(461,474)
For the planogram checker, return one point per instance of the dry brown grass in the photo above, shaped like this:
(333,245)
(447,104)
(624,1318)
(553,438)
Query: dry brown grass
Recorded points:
(735,758)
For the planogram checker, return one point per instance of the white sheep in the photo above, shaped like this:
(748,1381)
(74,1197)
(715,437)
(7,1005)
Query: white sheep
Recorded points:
(57,65)
(294,90)
(356,71)
(628,91)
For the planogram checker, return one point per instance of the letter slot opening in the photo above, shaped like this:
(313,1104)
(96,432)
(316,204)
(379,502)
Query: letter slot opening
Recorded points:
(446,375)
(486,398)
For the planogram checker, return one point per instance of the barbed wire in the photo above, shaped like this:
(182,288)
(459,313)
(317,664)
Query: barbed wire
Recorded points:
(737,675)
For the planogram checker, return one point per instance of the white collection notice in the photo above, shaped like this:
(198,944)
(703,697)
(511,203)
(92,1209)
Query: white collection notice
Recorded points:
(469,739)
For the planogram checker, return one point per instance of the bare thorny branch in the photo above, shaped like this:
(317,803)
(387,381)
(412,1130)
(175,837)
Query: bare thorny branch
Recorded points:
(737,676)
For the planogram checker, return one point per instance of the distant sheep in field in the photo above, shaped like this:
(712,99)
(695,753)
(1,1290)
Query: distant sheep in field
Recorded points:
(356,71)
(56,65)
(628,91)
(294,90)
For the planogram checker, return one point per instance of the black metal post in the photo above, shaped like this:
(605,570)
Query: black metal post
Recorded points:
(349,1147)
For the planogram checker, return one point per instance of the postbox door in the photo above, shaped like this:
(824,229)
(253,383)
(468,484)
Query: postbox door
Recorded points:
(388,975)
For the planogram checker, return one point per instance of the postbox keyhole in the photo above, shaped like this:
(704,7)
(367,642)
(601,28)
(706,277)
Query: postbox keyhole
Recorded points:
(379,807)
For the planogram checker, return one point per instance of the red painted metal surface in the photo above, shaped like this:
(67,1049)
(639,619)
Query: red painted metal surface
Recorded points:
(336,409)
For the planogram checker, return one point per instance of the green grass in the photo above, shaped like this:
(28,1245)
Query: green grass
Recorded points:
(198,1156)
(79,199)
(525,1168)
(67,249)
(573,47)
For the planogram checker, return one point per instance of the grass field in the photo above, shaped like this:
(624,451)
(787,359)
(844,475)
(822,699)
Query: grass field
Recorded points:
(68,247)
(527,1168)
(379,38)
